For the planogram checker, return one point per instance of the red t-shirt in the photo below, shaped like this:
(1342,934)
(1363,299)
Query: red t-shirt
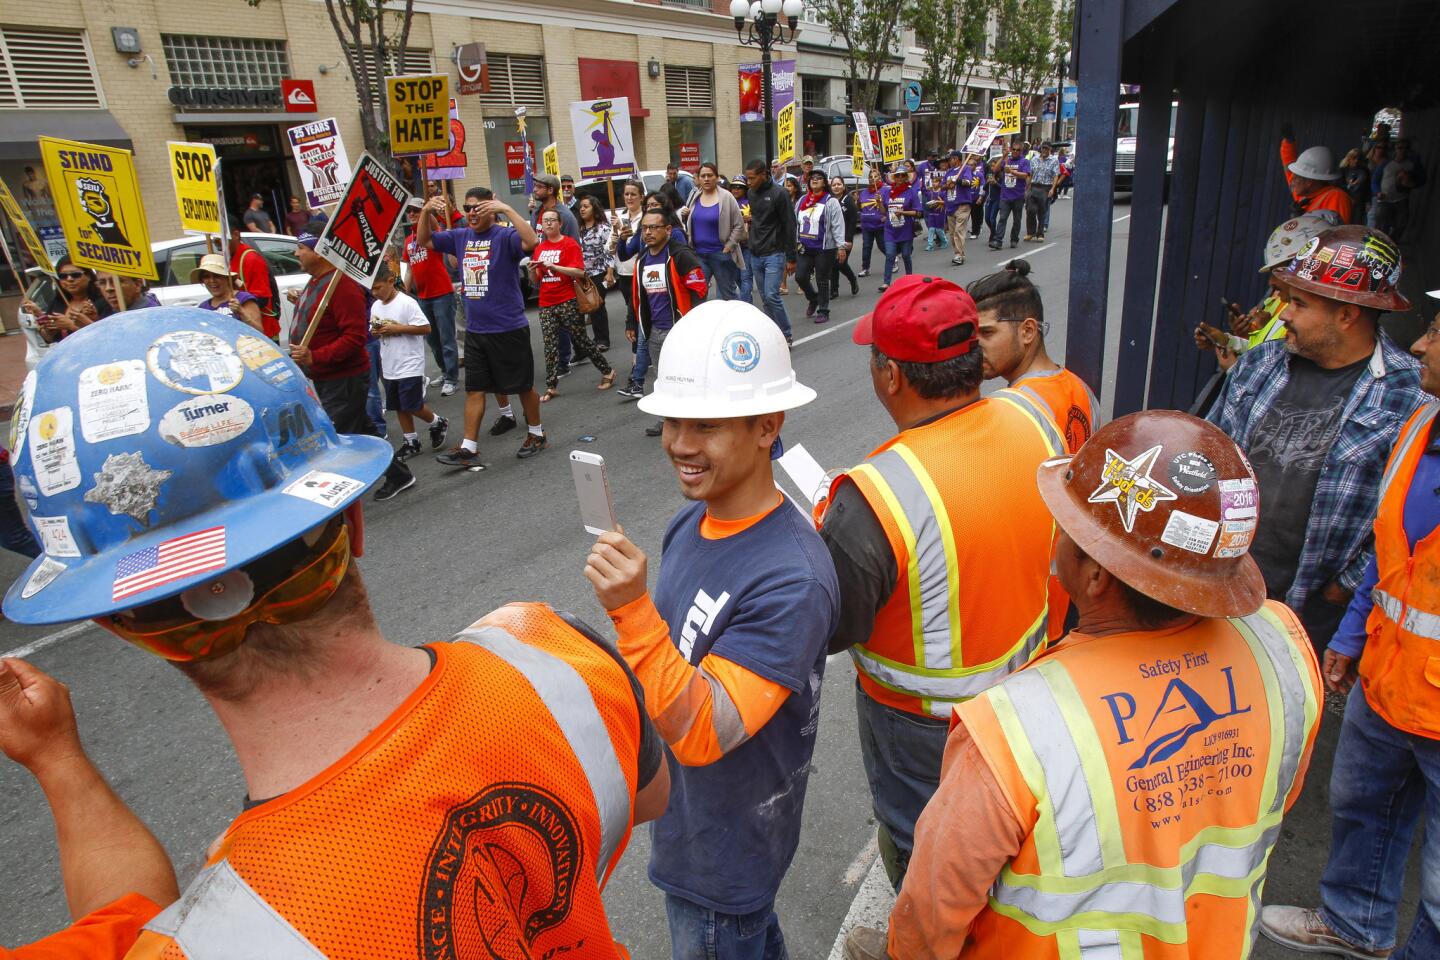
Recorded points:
(255,280)
(427,268)
(556,288)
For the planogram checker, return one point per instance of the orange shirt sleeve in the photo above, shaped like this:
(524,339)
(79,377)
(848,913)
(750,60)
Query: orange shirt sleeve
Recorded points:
(1288,153)
(703,711)
(109,932)
(970,829)
(1333,199)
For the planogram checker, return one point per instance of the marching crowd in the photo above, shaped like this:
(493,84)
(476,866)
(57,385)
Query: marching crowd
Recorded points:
(1091,657)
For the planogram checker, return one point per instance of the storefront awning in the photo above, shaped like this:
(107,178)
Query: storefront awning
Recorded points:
(877,118)
(823,115)
(19,128)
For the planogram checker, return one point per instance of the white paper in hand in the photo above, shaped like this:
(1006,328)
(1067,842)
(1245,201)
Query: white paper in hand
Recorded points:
(807,475)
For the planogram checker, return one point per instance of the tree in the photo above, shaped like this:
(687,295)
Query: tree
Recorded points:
(869,30)
(952,34)
(361,28)
(1027,38)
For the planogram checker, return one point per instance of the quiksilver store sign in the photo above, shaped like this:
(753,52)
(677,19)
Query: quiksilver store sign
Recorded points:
(226,98)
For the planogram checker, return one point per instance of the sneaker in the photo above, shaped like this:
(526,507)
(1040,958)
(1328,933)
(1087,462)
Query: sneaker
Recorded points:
(447,390)
(866,943)
(956,261)
(603,347)
(533,444)
(562,372)
(1302,929)
(459,457)
(655,429)
(822,317)
(389,490)
(810,309)
(1013,244)
(438,429)
(408,449)
(884,287)
(1028,238)
(864,273)
(631,391)
(502,425)
(437,381)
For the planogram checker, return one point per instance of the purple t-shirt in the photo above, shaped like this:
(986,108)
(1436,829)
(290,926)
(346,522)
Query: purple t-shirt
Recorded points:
(899,229)
(872,209)
(705,228)
(654,272)
(958,188)
(811,224)
(240,295)
(1011,186)
(489,276)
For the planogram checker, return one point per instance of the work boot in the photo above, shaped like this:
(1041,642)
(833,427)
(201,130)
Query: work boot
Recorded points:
(865,943)
(1303,929)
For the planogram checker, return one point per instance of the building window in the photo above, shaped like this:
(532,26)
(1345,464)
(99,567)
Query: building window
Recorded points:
(814,92)
(515,81)
(230,62)
(692,4)
(417,62)
(46,68)
(813,14)
(689,88)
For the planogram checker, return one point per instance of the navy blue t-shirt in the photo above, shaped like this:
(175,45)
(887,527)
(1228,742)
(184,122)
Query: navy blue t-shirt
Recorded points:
(767,599)
(489,274)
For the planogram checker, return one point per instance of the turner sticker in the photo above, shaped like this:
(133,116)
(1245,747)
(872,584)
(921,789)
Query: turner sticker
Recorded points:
(206,421)
(113,401)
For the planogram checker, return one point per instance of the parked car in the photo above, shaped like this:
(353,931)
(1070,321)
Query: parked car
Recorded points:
(840,165)
(174,259)
(651,178)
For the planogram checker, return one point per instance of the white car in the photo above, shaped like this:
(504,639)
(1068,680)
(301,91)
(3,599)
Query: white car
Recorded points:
(653,180)
(174,259)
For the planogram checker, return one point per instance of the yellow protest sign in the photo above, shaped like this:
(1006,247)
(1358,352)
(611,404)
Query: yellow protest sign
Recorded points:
(192,168)
(857,157)
(892,142)
(1007,111)
(97,199)
(419,114)
(550,156)
(785,133)
(27,233)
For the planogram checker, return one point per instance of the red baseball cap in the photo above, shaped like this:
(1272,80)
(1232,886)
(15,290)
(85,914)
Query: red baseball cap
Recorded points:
(921,320)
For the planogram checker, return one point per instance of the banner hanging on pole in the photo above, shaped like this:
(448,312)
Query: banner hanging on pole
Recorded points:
(97,198)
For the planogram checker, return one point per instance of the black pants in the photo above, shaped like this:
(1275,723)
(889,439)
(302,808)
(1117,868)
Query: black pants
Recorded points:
(821,265)
(977,217)
(600,319)
(1035,203)
(1008,208)
(344,403)
(842,269)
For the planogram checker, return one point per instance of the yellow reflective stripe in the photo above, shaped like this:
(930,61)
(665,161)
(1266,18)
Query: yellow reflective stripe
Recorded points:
(912,568)
(1047,842)
(1097,772)
(1292,717)
(1038,414)
(947,539)
(1415,428)
(1097,919)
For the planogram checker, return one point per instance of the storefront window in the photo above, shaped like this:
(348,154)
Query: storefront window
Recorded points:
(251,162)
(507,179)
(26,180)
(699,130)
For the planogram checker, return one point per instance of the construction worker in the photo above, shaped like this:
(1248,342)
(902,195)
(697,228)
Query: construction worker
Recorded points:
(400,800)
(924,533)
(1387,761)
(1121,795)
(1012,333)
(1313,179)
(731,649)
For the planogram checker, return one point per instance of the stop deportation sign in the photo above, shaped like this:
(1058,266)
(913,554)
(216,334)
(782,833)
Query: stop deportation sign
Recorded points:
(419,114)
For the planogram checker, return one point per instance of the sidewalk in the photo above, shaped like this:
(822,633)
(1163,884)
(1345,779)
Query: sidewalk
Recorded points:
(12,371)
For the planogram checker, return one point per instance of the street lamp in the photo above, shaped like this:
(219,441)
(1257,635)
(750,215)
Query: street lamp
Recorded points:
(767,20)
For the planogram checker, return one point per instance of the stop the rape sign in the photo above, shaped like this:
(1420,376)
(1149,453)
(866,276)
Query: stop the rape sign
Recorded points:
(419,114)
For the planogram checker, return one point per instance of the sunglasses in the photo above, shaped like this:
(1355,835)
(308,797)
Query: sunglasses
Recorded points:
(471,207)
(71,276)
(168,630)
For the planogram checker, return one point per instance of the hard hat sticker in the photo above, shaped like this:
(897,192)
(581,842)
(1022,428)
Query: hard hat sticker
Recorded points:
(740,351)
(113,401)
(1189,532)
(326,489)
(174,559)
(1129,485)
(43,576)
(52,451)
(192,361)
(206,421)
(1235,539)
(20,419)
(1192,472)
(1238,500)
(55,536)
(28,491)
(261,357)
(127,485)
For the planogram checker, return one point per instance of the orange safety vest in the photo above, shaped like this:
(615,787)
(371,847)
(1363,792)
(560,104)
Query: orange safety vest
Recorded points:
(1068,399)
(1400,668)
(972,543)
(1154,769)
(481,819)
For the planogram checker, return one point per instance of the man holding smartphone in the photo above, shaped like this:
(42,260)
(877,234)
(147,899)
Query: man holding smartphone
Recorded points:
(731,648)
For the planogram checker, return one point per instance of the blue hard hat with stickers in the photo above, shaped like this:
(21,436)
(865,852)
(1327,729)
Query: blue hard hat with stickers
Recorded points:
(158,449)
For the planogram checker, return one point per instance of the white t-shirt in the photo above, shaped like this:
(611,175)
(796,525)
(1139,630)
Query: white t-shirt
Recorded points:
(402,355)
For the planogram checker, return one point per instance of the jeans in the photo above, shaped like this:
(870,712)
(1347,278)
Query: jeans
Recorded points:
(699,933)
(1382,782)
(869,237)
(902,248)
(720,268)
(374,402)
(647,349)
(14,534)
(345,403)
(747,276)
(992,211)
(440,311)
(821,265)
(902,753)
(769,271)
(1007,209)
(934,238)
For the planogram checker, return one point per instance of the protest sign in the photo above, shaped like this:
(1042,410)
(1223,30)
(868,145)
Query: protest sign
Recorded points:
(355,237)
(981,137)
(1007,111)
(857,156)
(192,168)
(867,137)
(450,165)
(320,157)
(26,232)
(602,137)
(550,159)
(419,114)
(97,200)
(785,134)
(892,142)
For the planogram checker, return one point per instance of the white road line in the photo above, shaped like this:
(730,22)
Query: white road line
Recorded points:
(1118,219)
(1041,249)
(50,639)
(861,864)
(828,330)
(870,908)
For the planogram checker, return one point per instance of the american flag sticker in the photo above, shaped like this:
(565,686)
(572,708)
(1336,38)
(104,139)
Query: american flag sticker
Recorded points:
(169,561)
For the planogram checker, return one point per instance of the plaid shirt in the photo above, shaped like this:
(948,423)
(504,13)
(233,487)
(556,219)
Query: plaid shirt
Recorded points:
(1338,535)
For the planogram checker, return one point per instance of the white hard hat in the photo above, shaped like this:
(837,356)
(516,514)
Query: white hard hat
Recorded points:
(723,359)
(1287,239)
(1315,164)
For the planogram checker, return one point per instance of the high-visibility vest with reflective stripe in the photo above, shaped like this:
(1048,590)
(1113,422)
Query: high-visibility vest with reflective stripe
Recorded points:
(481,818)
(972,543)
(1400,668)
(1071,404)
(1154,768)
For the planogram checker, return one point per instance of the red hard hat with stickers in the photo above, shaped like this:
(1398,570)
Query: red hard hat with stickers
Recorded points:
(1352,264)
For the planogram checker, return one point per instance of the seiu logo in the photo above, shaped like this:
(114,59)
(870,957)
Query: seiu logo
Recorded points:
(702,615)
(1197,714)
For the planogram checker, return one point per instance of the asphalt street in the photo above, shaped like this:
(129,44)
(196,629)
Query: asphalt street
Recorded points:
(459,544)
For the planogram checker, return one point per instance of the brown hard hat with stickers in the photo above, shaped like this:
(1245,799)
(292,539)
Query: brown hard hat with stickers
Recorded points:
(1352,264)
(1169,505)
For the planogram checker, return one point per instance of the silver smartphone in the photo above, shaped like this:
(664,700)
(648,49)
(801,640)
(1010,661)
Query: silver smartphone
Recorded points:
(592,489)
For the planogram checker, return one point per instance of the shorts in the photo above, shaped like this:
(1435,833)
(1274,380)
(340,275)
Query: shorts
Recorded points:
(499,362)
(405,395)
